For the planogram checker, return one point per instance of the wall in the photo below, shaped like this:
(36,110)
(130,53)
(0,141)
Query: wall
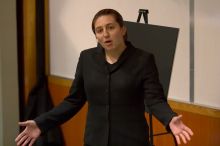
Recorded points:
(8,74)
(201,122)
(207,51)
(70,32)
(205,122)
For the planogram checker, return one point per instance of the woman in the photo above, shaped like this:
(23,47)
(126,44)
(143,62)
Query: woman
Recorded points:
(115,78)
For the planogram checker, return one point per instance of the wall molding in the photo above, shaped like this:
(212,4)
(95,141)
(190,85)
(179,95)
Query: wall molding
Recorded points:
(193,108)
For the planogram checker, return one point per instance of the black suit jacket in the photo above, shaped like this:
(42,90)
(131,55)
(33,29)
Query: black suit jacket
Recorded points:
(115,98)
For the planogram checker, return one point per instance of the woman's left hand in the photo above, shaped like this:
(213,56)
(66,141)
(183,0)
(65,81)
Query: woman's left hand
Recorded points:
(180,130)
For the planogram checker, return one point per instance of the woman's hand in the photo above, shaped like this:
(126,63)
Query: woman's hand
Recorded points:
(180,130)
(29,135)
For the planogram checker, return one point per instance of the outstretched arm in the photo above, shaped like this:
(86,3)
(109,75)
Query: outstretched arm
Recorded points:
(29,135)
(180,130)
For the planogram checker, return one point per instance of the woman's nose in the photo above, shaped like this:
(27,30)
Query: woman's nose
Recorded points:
(106,33)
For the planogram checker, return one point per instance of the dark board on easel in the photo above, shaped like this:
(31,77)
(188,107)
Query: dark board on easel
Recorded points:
(158,40)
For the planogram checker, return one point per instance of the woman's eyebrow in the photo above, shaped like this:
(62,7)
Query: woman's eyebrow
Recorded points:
(105,25)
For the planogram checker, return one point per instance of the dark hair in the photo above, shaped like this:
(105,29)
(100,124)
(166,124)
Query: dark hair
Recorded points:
(112,12)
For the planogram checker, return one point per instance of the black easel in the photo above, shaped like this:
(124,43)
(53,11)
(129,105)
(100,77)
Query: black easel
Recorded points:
(145,13)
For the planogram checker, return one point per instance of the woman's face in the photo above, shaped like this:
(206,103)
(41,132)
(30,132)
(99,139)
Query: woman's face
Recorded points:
(109,33)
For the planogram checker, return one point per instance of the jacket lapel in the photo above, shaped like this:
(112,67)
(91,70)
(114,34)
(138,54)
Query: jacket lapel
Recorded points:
(124,56)
(99,57)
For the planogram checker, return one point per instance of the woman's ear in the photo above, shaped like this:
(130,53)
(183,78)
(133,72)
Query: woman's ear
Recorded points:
(96,37)
(125,34)
(124,30)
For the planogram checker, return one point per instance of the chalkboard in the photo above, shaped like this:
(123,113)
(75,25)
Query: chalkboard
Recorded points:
(158,40)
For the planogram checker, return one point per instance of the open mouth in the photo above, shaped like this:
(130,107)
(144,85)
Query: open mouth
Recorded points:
(108,42)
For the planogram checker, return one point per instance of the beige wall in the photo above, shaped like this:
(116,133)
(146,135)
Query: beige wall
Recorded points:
(207,51)
(70,32)
(8,74)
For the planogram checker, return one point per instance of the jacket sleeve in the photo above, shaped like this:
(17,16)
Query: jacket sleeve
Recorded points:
(69,106)
(154,97)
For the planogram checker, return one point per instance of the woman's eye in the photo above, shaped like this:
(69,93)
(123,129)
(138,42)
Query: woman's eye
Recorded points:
(111,27)
(98,30)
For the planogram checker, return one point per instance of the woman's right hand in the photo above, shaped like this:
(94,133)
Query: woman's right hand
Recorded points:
(29,135)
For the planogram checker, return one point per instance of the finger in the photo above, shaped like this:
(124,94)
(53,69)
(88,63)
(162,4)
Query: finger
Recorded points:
(32,142)
(177,139)
(179,116)
(17,138)
(186,135)
(20,136)
(22,140)
(188,130)
(26,141)
(177,119)
(25,123)
(183,138)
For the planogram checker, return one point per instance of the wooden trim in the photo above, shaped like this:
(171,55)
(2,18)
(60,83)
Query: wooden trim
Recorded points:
(188,107)
(29,41)
(60,81)
(47,44)
(193,108)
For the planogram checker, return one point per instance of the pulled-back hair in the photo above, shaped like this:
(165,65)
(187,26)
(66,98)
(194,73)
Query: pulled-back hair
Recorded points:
(112,12)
